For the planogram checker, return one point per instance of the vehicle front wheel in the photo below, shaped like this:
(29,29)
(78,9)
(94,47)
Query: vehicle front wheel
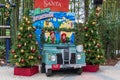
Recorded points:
(49,72)
(79,71)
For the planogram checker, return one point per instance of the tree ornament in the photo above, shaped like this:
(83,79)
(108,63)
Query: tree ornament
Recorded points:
(84,51)
(98,45)
(31,57)
(19,33)
(24,17)
(33,50)
(22,61)
(29,28)
(93,22)
(92,31)
(39,57)
(98,56)
(89,44)
(21,28)
(17,64)
(19,37)
(28,22)
(101,56)
(15,56)
(30,35)
(85,28)
(13,51)
(89,50)
(36,43)
(22,51)
(19,45)
(86,35)
(25,44)
(94,41)
(98,50)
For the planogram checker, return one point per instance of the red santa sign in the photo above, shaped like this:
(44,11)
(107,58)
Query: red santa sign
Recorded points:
(54,5)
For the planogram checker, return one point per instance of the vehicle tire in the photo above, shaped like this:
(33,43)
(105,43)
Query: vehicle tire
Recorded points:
(49,72)
(79,71)
(43,68)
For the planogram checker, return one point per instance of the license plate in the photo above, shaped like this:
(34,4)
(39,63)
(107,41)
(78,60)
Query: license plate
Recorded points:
(56,67)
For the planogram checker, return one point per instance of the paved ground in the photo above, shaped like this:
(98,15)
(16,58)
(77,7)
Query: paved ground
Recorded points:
(105,73)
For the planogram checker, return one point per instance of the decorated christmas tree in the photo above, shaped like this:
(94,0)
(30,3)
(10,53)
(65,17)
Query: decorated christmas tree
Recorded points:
(25,51)
(92,41)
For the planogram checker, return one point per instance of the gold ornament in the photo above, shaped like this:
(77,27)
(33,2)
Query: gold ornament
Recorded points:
(101,56)
(15,56)
(26,19)
(86,35)
(98,56)
(28,22)
(93,22)
(92,31)
(31,57)
(21,28)
(31,48)
(98,50)
(89,44)
(17,64)
(19,33)
(22,51)
(29,28)
(94,42)
(25,44)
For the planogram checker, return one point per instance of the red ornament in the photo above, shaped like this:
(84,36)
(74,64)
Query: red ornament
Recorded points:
(19,45)
(19,37)
(12,51)
(33,50)
(39,57)
(30,35)
(85,28)
(98,45)
(22,61)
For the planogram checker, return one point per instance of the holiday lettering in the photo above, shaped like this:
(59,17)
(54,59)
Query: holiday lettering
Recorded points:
(43,16)
(48,3)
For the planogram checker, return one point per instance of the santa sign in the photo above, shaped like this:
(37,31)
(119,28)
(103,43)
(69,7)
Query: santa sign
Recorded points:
(54,5)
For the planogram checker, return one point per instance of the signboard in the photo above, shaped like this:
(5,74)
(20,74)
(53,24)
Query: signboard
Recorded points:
(54,5)
(44,18)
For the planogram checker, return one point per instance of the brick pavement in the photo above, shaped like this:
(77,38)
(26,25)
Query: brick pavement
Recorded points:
(105,73)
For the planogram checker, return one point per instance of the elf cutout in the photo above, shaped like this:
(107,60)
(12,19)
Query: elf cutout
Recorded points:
(63,38)
(52,37)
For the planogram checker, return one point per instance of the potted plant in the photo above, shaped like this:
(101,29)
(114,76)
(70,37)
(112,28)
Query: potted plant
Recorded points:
(24,53)
(92,44)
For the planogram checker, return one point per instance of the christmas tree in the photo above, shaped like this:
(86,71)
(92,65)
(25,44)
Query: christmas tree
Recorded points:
(25,51)
(92,41)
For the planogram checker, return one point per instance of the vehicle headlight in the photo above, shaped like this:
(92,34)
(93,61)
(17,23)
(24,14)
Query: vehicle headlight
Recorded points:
(53,58)
(78,56)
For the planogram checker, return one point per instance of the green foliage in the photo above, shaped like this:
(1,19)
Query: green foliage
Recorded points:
(92,42)
(78,34)
(24,52)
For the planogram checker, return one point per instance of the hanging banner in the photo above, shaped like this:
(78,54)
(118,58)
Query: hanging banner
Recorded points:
(54,5)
